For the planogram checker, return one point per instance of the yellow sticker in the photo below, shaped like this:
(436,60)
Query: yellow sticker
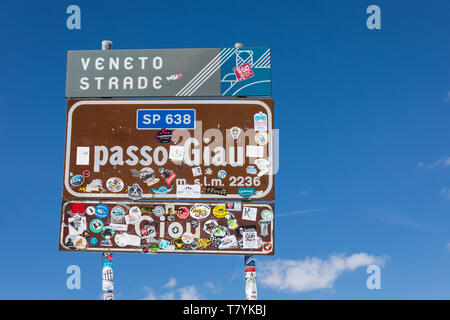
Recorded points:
(220,211)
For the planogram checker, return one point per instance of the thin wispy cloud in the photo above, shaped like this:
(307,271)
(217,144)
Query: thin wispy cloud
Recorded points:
(312,273)
(447,97)
(296,212)
(405,222)
(445,193)
(440,163)
(171,283)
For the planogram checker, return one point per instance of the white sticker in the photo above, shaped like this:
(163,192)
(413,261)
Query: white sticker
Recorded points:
(176,153)
(188,190)
(197,171)
(255,151)
(249,213)
(82,156)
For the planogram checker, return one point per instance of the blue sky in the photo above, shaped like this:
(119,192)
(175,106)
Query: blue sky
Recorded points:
(363,118)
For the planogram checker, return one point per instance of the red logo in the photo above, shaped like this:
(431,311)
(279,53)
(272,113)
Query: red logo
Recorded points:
(243,72)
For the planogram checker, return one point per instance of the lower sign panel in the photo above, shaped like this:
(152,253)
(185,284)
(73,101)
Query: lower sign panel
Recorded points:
(163,227)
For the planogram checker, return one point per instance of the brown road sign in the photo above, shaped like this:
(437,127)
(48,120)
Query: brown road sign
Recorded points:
(169,149)
(161,227)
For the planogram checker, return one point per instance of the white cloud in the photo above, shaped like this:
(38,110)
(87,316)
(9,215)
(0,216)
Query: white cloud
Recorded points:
(311,273)
(440,163)
(447,98)
(171,283)
(293,213)
(189,293)
(445,193)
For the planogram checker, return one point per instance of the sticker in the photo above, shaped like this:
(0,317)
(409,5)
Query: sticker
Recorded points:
(263,165)
(220,211)
(234,206)
(78,207)
(243,72)
(77,180)
(77,225)
(148,231)
(188,191)
(249,213)
(267,215)
(108,232)
(264,225)
(114,184)
(135,192)
(179,244)
(193,245)
(90,210)
(251,170)
(167,174)
(101,211)
(164,244)
(232,222)
(235,132)
(261,138)
(93,241)
(164,136)
(203,243)
(75,242)
(260,121)
(246,192)
(218,191)
(117,214)
(228,242)
(250,239)
(194,224)
(82,156)
(147,175)
(162,190)
(170,208)
(106,243)
(210,225)
(175,230)
(183,213)
(159,211)
(267,246)
(254,151)
(176,153)
(95,186)
(187,237)
(86,173)
(222,174)
(96,225)
(133,216)
(197,171)
(200,211)
(208,171)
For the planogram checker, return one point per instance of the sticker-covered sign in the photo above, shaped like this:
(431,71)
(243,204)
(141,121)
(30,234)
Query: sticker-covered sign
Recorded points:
(212,149)
(158,227)
(169,72)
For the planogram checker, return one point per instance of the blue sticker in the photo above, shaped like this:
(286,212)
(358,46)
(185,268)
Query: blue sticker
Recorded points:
(162,190)
(101,211)
(94,241)
(222,174)
(246,192)
(77,180)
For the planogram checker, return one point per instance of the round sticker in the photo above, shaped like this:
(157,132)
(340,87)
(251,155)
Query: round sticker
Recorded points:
(200,211)
(175,230)
(220,232)
(77,180)
(101,211)
(90,210)
(187,237)
(184,213)
(86,173)
(261,138)
(114,184)
(108,232)
(220,211)
(148,176)
(159,211)
(179,244)
(267,215)
(267,246)
(93,241)
(222,174)
(96,225)
(118,212)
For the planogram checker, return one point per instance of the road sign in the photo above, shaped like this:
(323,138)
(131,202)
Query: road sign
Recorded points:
(161,227)
(169,72)
(169,149)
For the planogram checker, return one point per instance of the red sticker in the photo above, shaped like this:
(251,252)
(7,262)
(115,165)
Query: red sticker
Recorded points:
(78,207)
(243,72)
